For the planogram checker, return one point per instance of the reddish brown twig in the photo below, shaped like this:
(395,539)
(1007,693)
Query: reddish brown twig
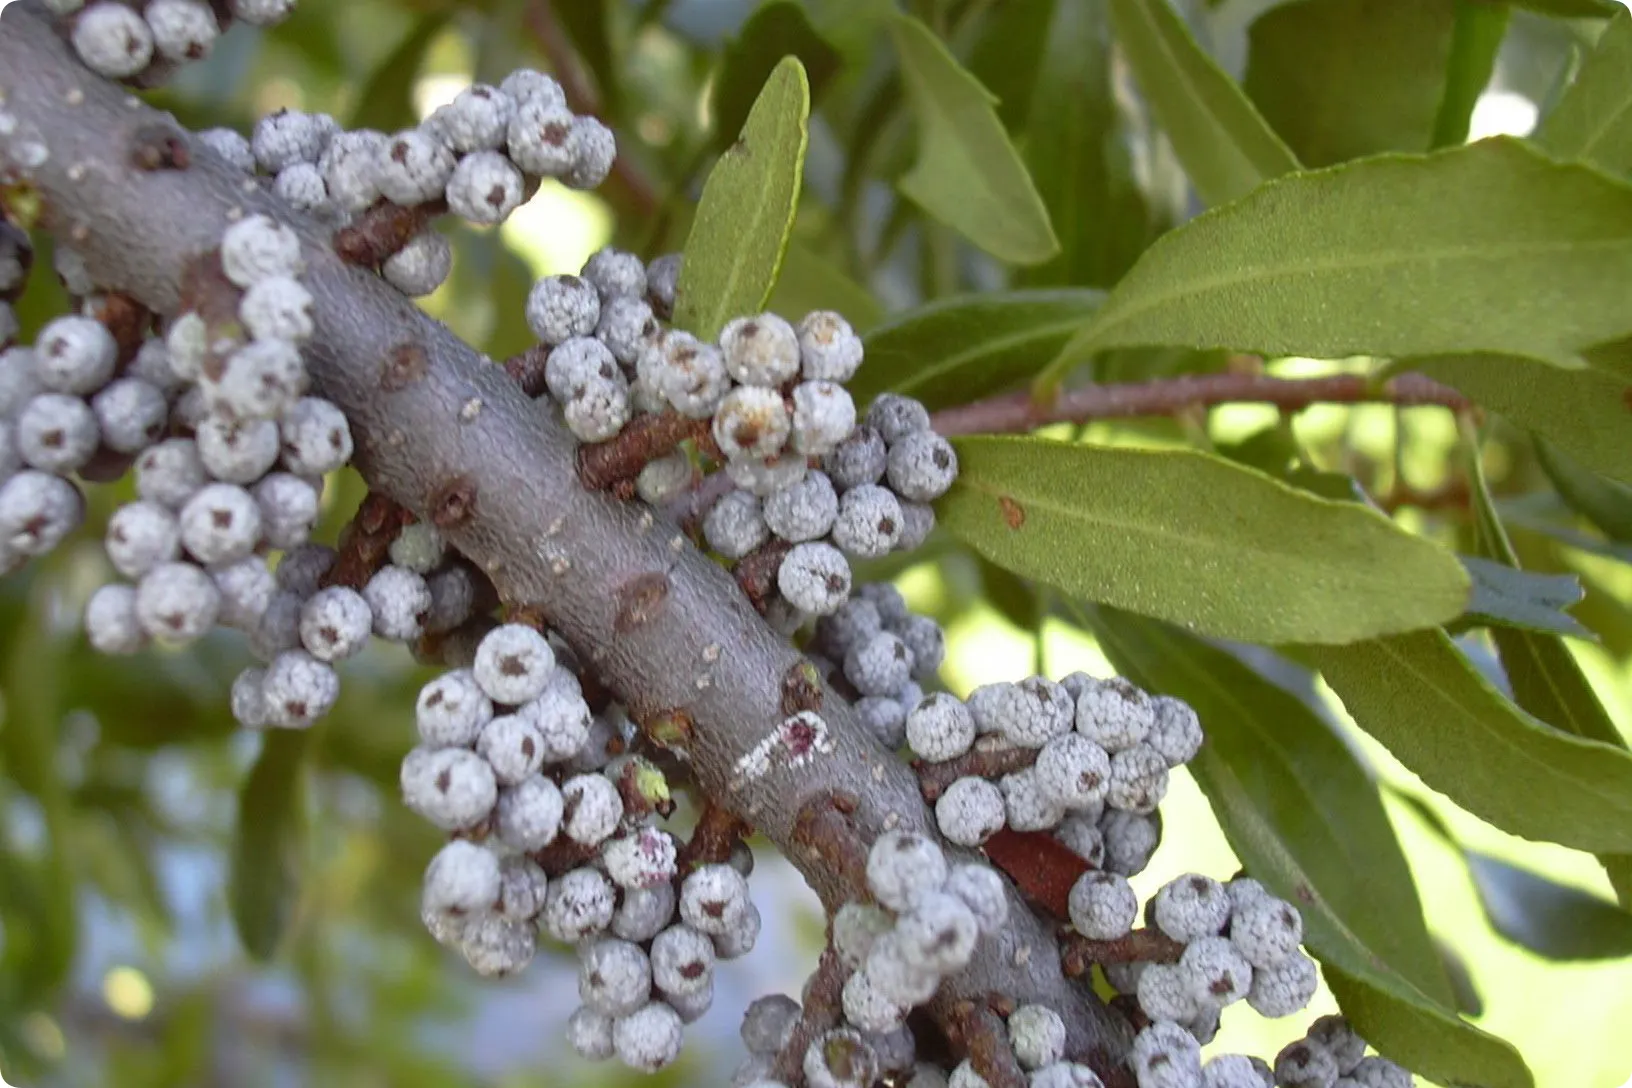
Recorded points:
(382,231)
(1018,412)
(821,1007)
(1041,866)
(756,571)
(1145,945)
(981,1035)
(365,542)
(979,761)
(713,839)
(528,368)
(128,320)
(647,438)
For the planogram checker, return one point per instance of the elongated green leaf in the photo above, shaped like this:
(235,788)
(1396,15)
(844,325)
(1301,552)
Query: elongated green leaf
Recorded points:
(1487,247)
(774,31)
(1550,919)
(386,100)
(960,349)
(268,847)
(1542,674)
(1226,147)
(1194,539)
(1419,696)
(1306,786)
(747,210)
(1480,29)
(1339,79)
(1507,597)
(1604,502)
(1077,150)
(1584,412)
(968,175)
(1593,121)
(1306,820)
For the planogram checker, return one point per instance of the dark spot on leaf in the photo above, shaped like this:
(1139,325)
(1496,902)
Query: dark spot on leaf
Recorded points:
(1013,513)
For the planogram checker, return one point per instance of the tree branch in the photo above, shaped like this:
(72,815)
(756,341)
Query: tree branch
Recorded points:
(459,445)
(1014,413)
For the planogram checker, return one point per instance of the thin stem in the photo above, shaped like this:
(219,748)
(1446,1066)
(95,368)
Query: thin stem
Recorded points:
(1014,413)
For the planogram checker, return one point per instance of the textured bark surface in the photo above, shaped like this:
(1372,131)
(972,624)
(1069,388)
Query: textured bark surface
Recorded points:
(455,441)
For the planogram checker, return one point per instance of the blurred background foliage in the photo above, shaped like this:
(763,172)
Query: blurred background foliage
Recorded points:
(183,905)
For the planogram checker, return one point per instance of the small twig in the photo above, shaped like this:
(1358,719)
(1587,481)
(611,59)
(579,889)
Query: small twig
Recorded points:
(583,98)
(1041,866)
(713,839)
(528,369)
(1014,413)
(647,438)
(985,1040)
(756,571)
(1145,945)
(1454,495)
(365,542)
(820,1010)
(981,762)
(381,231)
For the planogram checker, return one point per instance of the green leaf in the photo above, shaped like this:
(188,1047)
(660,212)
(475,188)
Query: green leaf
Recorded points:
(1475,43)
(774,31)
(1583,411)
(1427,703)
(1521,599)
(1194,539)
(968,175)
(1226,147)
(1306,819)
(1339,79)
(1487,247)
(960,349)
(1306,787)
(1542,674)
(808,281)
(747,210)
(268,852)
(1604,502)
(1550,919)
(1077,148)
(386,101)
(1593,121)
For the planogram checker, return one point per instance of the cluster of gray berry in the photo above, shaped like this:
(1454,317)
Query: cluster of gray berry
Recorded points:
(879,652)
(1239,942)
(1331,1055)
(1104,750)
(483,154)
(803,471)
(512,762)
(146,40)
(923,924)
